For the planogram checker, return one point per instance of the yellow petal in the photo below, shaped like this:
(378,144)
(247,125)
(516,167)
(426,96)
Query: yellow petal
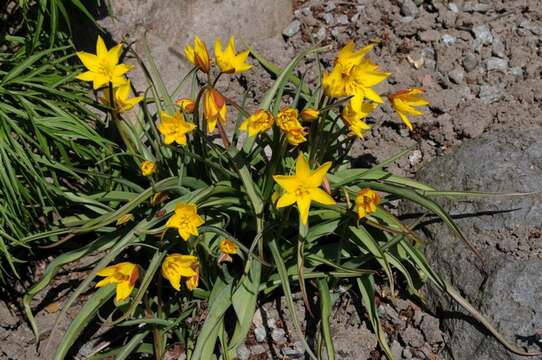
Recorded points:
(108,280)
(124,289)
(405,120)
(286,200)
(86,76)
(321,197)
(303,205)
(288,183)
(90,61)
(317,177)
(302,168)
(101,49)
(107,271)
(113,55)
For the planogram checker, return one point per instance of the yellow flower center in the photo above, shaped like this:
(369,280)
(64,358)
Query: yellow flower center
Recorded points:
(105,67)
(300,192)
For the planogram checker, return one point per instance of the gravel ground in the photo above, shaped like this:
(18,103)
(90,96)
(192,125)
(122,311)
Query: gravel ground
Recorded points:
(479,63)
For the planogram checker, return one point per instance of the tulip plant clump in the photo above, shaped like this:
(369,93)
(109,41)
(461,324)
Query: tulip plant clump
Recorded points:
(206,221)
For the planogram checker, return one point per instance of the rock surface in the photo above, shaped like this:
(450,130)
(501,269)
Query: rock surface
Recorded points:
(507,231)
(169,25)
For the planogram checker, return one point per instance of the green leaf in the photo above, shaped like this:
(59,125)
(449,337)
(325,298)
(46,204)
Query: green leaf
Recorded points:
(279,262)
(325,312)
(366,288)
(219,302)
(87,312)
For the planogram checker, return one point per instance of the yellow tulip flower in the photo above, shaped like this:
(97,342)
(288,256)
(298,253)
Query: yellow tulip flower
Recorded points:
(198,55)
(121,97)
(303,187)
(186,220)
(310,114)
(174,128)
(260,121)
(228,61)
(147,167)
(177,266)
(366,202)
(405,102)
(124,275)
(228,247)
(187,105)
(353,117)
(104,67)
(214,108)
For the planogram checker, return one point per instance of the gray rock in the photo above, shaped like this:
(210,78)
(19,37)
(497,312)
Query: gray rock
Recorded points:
(409,8)
(457,75)
(330,6)
(329,19)
(448,39)
(260,333)
(497,48)
(429,35)
(412,337)
(321,34)
(415,157)
(243,353)
(535,28)
(471,6)
(489,94)
(158,21)
(495,63)
(292,28)
(516,71)
(257,349)
(279,336)
(453,7)
(396,349)
(430,329)
(506,286)
(343,20)
(428,54)
(483,36)
(470,62)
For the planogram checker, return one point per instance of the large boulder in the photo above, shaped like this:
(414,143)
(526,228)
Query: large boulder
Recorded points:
(506,284)
(169,25)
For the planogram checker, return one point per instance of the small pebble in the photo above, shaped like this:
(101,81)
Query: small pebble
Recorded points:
(483,36)
(343,20)
(456,75)
(470,62)
(495,63)
(448,39)
(489,94)
(260,333)
(292,29)
(415,158)
(243,353)
(330,6)
(279,336)
(453,7)
(257,349)
(321,34)
(516,71)
(497,48)
(329,19)
(409,8)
